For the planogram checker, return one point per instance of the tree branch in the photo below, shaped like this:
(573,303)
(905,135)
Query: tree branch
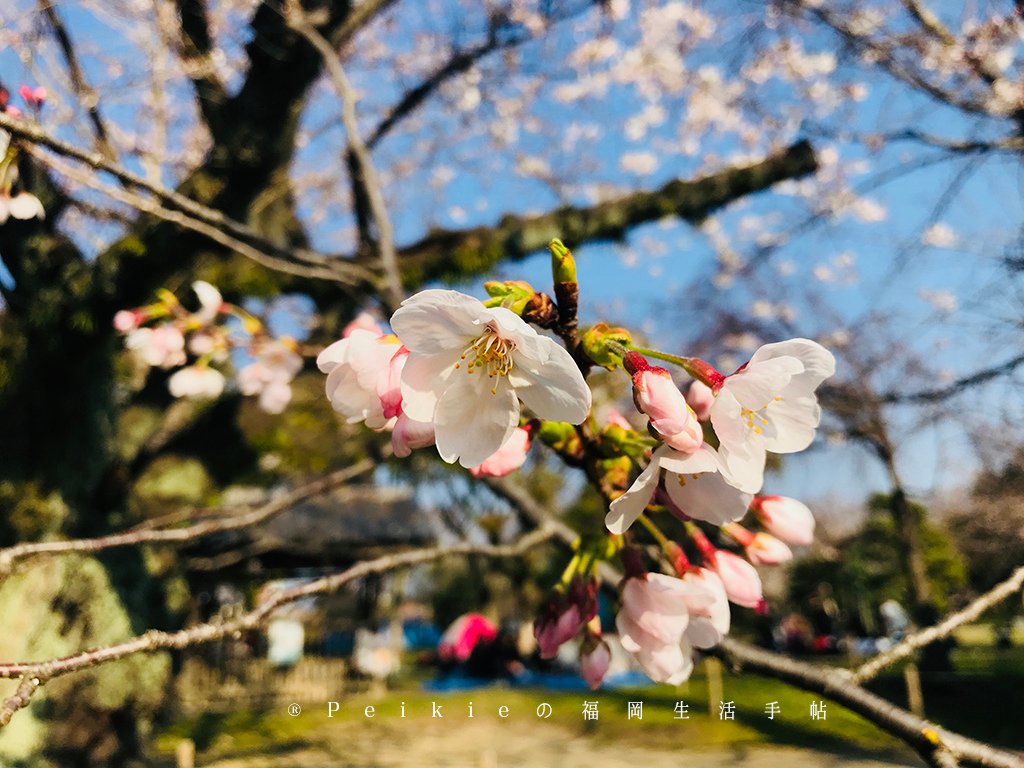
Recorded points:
(137,536)
(182,210)
(448,254)
(364,175)
(87,96)
(944,628)
(954,387)
(196,47)
(153,641)
(936,745)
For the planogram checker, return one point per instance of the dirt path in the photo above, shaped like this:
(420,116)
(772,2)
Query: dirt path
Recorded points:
(515,745)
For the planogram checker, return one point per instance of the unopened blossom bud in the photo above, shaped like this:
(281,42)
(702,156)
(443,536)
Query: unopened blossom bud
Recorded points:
(700,398)
(389,384)
(567,610)
(656,395)
(126,320)
(507,459)
(742,584)
(541,311)
(34,97)
(602,343)
(210,301)
(563,265)
(561,436)
(514,295)
(409,434)
(760,548)
(615,418)
(595,658)
(765,549)
(363,322)
(554,629)
(785,518)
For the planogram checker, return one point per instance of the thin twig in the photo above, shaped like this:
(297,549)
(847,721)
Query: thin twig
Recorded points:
(928,739)
(20,699)
(11,555)
(203,219)
(204,633)
(335,272)
(364,174)
(87,96)
(944,628)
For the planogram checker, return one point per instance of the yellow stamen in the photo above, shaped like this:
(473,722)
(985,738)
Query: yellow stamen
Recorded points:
(490,353)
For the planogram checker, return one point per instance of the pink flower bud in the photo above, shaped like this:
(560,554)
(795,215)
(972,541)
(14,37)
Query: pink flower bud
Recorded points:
(126,320)
(700,398)
(409,434)
(785,518)
(34,97)
(363,322)
(656,395)
(556,628)
(594,662)
(506,459)
(742,584)
(765,549)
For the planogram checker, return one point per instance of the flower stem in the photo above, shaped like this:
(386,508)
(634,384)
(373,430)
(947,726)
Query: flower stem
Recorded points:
(694,366)
(655,531)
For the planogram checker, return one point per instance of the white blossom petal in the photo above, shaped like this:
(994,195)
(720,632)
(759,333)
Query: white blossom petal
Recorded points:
(818,362)
(624,511)
(707,496)
(555,389)
(424,379)
(471,422)
(437,320)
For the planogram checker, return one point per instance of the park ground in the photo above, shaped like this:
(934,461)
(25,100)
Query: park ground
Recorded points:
(980,699)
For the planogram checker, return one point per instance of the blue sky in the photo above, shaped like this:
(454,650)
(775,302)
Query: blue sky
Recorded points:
(659,281)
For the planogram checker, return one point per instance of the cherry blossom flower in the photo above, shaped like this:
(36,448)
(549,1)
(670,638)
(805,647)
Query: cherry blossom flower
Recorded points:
(760,548)
(468,368)
(210,301)
(741,582)
(270,374)
(363,321)
(508,458)
(693,482)
(595,658)
(196,381)
(700,398)
(769,405)
(159,347)
(354,367)
(708,624)
(656,395)
(787,519)
(23,206)
(653,621)
(34,97)
(409,434)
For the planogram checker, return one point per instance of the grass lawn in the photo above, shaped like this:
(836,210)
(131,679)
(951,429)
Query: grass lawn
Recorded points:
(981,700)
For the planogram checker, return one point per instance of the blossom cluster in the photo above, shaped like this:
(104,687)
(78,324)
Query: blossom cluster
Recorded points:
(458,373)
(455,374)
(166,335)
